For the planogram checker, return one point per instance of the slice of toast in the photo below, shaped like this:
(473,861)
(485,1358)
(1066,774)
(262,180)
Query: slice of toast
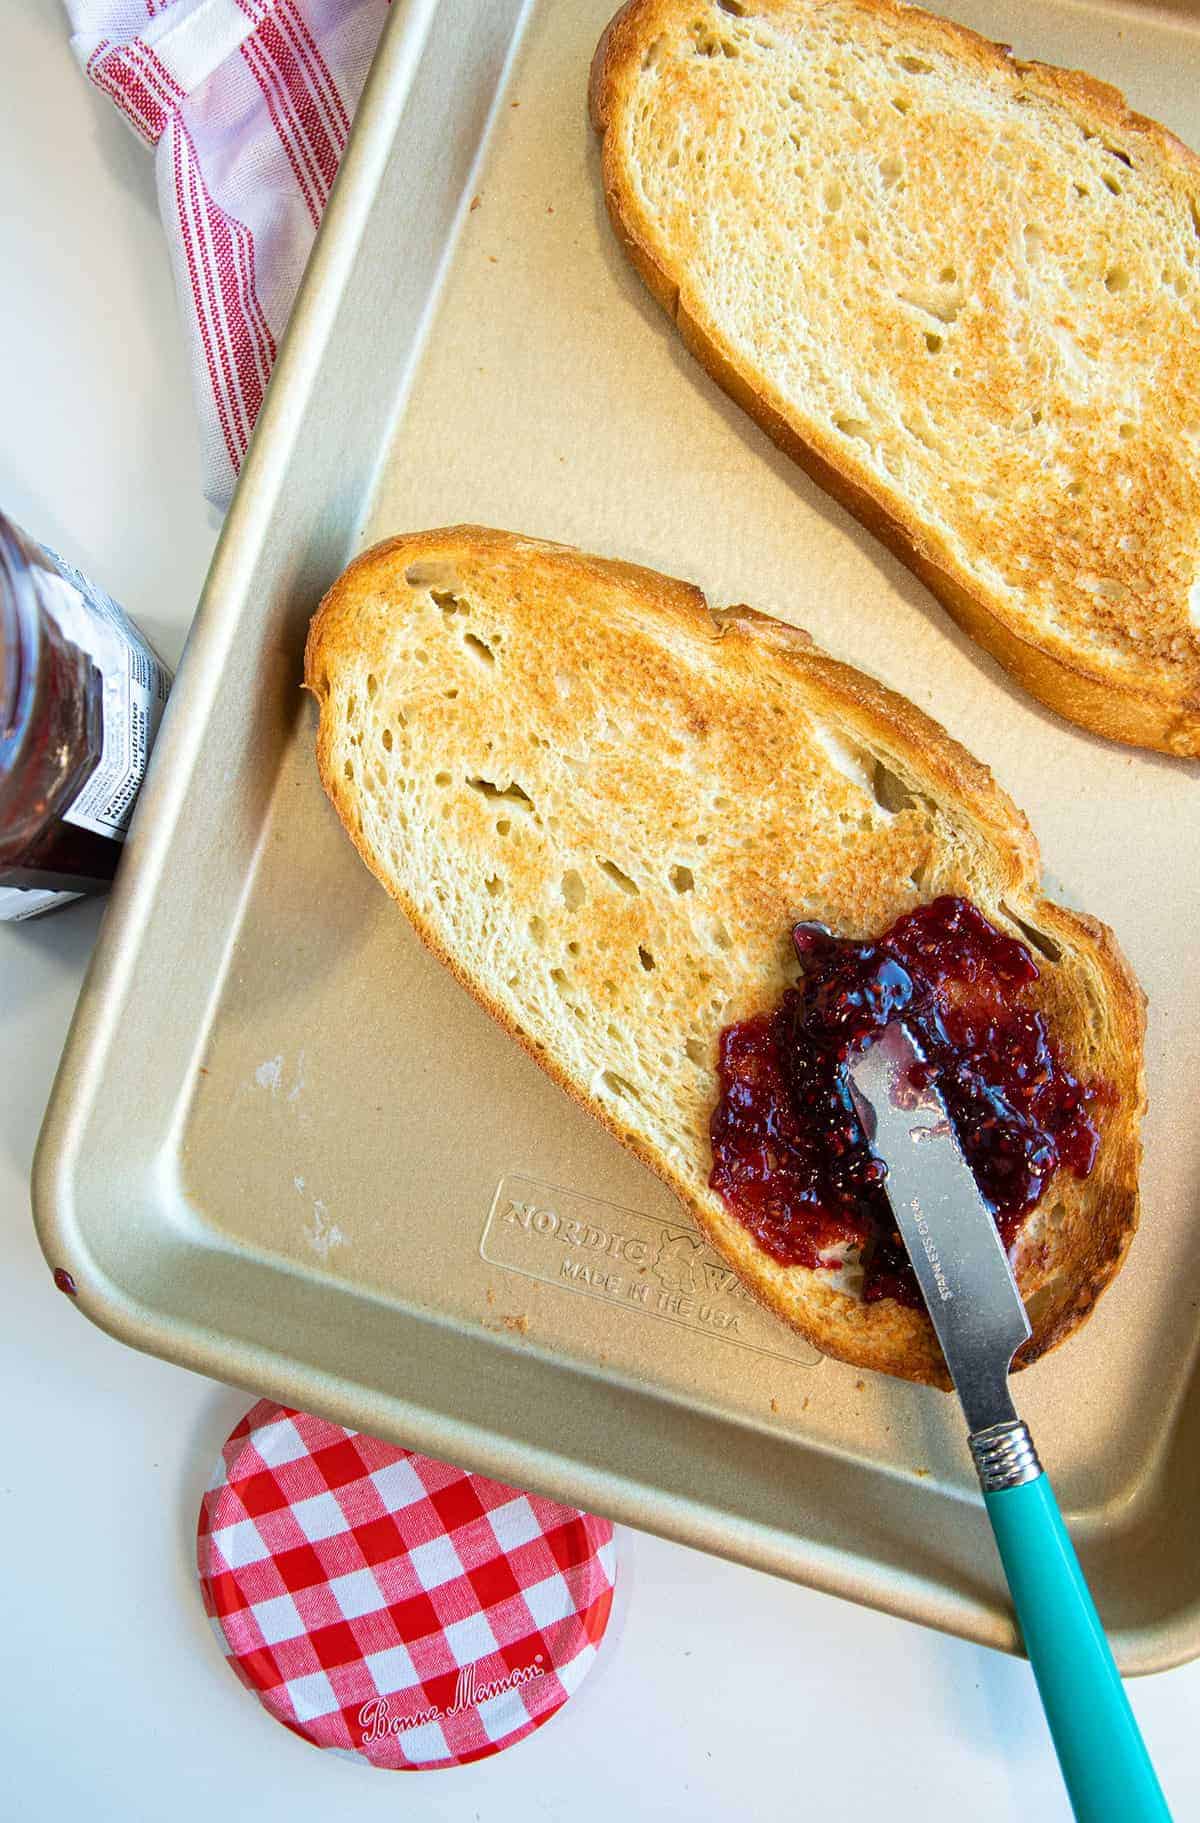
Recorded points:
(963,292)
(604,807)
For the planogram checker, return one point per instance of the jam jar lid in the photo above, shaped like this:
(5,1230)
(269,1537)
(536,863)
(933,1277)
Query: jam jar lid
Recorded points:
(390,1607)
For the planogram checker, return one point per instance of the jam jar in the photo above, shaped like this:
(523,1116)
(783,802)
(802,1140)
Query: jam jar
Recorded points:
(81,698)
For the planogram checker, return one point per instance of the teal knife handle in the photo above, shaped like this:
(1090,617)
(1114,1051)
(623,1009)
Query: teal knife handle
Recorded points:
(1104,1761)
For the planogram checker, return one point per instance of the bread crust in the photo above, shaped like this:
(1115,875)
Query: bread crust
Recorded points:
(1144,707)
(1062,1264)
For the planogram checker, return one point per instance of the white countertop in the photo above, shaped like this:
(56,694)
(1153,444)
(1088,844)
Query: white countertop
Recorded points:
(719,1691)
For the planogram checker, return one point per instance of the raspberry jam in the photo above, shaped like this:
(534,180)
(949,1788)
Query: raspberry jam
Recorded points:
(789,1154)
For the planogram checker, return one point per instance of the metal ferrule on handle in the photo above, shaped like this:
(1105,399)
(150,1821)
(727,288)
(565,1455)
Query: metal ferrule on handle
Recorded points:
(1004,1456)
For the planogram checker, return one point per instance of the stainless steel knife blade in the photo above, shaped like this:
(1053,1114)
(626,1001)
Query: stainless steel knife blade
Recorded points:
(952,1240)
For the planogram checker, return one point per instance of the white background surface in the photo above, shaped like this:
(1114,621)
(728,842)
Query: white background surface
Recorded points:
(719,1692)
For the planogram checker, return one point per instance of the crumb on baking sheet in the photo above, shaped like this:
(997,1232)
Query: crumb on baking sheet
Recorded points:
(774,1405)
(804,1406)
(518,1324)
(860,1386)
(490,1295)
(475,202)
(922,1472)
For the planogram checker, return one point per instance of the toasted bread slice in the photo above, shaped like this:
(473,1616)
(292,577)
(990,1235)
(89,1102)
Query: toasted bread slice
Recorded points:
(963,292)
(603,807)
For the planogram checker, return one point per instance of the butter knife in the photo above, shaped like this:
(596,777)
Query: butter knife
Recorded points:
(976,1310)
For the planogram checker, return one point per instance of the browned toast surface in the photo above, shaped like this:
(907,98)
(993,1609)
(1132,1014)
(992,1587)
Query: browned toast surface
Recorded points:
(961,290)
(604,806)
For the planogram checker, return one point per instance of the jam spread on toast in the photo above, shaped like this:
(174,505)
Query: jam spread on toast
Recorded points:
(789,1154)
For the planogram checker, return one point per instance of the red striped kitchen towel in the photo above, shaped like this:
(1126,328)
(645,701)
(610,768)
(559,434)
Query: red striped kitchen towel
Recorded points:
(247,105)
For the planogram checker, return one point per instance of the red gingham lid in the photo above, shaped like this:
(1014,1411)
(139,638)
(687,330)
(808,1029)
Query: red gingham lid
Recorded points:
(390,1607)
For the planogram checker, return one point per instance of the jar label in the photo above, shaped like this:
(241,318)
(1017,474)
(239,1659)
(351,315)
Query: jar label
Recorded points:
(20,902)
(135,691)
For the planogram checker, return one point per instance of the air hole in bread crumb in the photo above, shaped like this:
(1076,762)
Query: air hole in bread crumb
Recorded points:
(503,825)
(495,886)
(480,648)
(386,738)
(682,878)
(1036,939)
(1110,183)
(1116,279)
(574,891)
(721,936)
(1125,431)
(618,876)
(617,1085)
(487,788)
(449,603)
(933,342)
(1036,415)
(696,1052)
(537,929)
(441,778)
(645,958)
(733,7)
(916,66)
(429,572)
(833,195)
(891,170)
(901,103)
(890,791)
(372,683)
(572,948)
(559,978)
(948,275)
(1075,489)
(855,427)
(348,770)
